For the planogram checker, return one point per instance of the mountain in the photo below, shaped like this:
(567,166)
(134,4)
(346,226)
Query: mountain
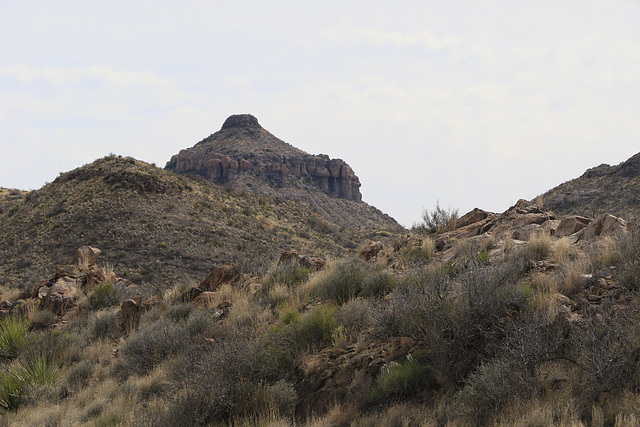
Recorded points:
(602,189)
(246,157)
(155,226)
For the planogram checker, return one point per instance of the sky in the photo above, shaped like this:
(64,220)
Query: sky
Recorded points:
(462,103)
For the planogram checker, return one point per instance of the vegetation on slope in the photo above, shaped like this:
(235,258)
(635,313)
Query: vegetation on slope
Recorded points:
(542,333)
(154,226)
(603,189)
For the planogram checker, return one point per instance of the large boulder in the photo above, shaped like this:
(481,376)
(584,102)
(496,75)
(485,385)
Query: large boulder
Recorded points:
(606,225)
(221,275)
(371,251)
(60,295)
(571,224)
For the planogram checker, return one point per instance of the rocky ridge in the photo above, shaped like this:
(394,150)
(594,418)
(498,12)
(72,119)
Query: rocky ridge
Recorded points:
(602,189)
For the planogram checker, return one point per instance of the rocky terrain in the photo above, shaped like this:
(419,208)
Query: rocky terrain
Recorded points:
(156,227)
(503,319)
(247,157)
(602,189)
(254,287)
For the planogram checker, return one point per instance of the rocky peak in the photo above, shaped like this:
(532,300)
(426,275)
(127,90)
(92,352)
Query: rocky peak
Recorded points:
(243,152)
(241,121)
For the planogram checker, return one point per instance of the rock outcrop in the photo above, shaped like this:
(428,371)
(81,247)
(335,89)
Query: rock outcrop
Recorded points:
(243,148)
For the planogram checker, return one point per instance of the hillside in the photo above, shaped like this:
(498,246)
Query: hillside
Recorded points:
(602,189)
(518,318)
(246,157)
(154,226)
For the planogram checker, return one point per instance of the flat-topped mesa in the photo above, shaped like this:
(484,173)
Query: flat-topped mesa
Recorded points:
(243,151)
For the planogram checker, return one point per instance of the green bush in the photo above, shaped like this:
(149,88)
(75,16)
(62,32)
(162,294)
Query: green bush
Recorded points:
(437,221)
(400,380)
(14,334)
(317,326)
(103,296)
(36,370)
(377,284)
(290,274)
(345,280)
(290,316)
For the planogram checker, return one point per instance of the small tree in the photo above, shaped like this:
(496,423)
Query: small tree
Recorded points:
(438,220)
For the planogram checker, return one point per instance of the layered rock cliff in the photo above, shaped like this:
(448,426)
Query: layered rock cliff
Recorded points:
(242,148)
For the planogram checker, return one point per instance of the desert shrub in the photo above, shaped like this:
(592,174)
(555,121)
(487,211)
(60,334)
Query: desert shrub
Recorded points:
(628,260)
(540,244)
(606,350)
(148,346)
(460,317)
(283,397)
(562,249)
(289,274)
(178,312)
(219,381)
(438,220)
(199,322)
(343,281)
(289,316)
(103,324)
(401,380)
(14,334)
(103,296)
(418,254)
(79,373)
(355,315)
(377,284)
(317,326)
(493,385)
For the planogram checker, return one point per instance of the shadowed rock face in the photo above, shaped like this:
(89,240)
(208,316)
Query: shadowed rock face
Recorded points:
(243,148)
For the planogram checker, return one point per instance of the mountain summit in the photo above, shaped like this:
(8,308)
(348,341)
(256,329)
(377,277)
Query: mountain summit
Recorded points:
(244,152)
(246,157)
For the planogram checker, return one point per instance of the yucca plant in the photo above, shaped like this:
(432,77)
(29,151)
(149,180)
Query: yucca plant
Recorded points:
(14,334)
(37,368)
(10,389)
(40,368)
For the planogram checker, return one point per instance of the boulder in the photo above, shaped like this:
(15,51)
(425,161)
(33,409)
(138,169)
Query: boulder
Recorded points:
(371,251)
(129,315)
(221,275)
(472,217)
(86,256)
(607,224)
(59,296)
(571,224)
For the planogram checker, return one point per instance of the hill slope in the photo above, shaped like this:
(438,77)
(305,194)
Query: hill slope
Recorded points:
(610,189)
(245,156)
(155,226)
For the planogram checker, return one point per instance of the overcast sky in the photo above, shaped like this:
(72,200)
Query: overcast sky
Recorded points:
(472,103)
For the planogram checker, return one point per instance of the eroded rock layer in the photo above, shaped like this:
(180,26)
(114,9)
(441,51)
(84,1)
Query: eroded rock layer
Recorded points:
(243,148)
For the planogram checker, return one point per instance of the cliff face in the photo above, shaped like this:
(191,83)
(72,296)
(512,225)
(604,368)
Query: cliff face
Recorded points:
(242,147)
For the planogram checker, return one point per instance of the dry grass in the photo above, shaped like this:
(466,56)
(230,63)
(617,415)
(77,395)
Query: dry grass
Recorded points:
(561,250)
(540,244)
